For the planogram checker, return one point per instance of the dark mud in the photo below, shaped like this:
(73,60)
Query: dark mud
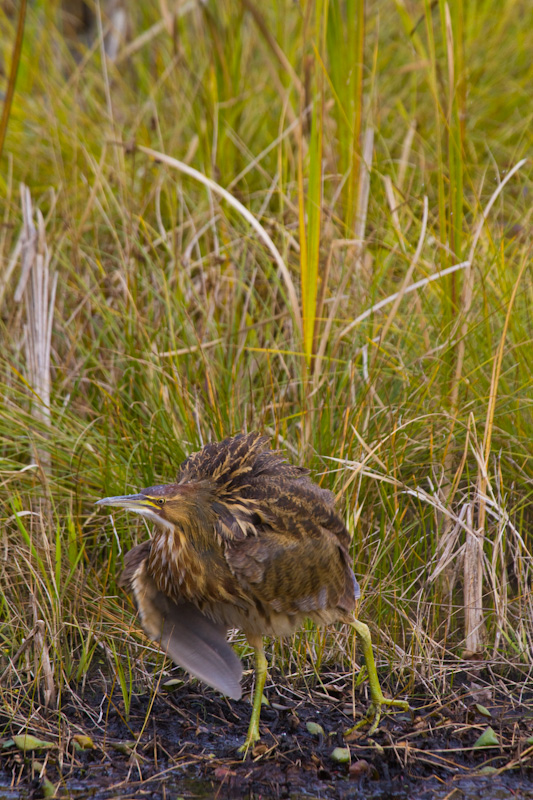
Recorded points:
(184,745)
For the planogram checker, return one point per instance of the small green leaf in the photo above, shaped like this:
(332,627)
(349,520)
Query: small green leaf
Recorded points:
(126,748)
(487,739)
(314,728)
(82,742)
(341,755)
(528,741)
(28,743)
(47,787)
(483,711)
(488,771)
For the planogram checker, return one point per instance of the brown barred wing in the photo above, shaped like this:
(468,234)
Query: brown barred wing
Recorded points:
(297,577)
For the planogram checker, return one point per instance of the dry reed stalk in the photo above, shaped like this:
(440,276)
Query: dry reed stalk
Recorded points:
(41,656)
(475,633)
(364,184)
(39,292)
(473,567)
(473,562)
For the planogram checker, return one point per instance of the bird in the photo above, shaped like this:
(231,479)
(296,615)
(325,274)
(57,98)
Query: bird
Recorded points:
(242,539)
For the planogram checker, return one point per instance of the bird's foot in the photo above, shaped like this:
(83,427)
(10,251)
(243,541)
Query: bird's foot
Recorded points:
(252,737)
(376,695)
(373,715)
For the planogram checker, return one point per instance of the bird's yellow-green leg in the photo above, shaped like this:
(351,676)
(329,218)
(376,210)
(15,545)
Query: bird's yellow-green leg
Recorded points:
(378,698)
(261,665)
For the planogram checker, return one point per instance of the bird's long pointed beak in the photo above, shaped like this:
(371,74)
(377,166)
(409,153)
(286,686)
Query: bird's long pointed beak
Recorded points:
(124,501)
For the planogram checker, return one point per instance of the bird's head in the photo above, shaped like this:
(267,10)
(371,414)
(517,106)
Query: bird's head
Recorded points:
(169,505)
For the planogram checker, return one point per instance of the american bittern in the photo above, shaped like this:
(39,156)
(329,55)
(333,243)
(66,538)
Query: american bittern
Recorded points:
(244,540)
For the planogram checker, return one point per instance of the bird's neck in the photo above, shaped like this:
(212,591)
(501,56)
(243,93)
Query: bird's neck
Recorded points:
(176,561)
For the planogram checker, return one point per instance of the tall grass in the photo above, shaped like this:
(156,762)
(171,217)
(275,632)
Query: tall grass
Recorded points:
(369,144)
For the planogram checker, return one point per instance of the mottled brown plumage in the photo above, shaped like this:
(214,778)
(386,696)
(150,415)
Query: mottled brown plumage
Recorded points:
(243,539)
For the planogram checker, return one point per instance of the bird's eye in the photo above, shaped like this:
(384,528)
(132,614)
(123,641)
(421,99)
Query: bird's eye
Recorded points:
(160,501)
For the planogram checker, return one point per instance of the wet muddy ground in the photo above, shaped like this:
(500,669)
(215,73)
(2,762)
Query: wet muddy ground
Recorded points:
(183,744)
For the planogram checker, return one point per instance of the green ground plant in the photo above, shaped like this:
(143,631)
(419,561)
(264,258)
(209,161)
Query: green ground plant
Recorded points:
(382,151)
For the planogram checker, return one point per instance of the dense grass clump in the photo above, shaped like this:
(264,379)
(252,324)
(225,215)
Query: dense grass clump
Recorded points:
(363,295)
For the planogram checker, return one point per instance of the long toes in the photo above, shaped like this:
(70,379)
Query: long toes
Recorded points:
(373,715)
(251,739)
(403,704)
(377,716)
(370,716)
